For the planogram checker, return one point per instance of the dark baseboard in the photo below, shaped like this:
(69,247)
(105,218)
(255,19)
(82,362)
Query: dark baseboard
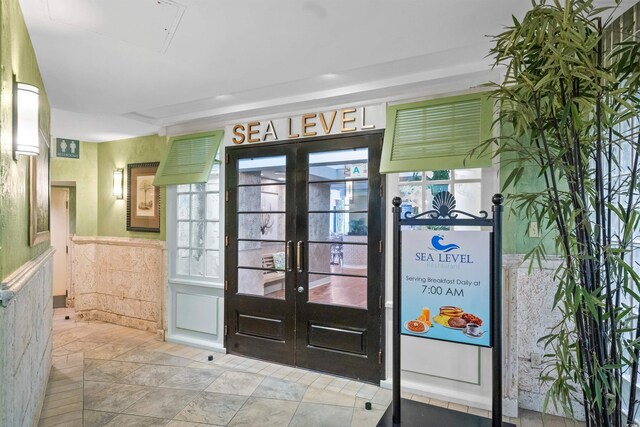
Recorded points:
(420,414)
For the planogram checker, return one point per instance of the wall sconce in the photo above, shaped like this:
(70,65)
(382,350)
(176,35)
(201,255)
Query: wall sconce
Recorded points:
(118,175)
(26,99)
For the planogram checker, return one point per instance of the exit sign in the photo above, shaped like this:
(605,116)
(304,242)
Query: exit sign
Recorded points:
(69,148)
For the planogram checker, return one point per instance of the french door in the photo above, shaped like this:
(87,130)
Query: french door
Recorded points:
(304,254)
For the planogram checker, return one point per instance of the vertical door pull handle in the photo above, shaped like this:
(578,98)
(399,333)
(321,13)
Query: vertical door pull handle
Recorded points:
(299,257)
(288,256)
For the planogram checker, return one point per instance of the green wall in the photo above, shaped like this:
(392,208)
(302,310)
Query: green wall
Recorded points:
(112,213)
(98,213)
(16,57)
(84,172)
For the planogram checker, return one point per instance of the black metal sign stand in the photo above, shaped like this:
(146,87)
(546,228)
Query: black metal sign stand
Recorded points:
(444,214)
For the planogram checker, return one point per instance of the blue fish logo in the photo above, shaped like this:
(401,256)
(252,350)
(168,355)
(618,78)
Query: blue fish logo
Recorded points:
(435,241)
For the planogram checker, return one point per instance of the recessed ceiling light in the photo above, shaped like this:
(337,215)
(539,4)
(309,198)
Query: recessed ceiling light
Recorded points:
(329,75)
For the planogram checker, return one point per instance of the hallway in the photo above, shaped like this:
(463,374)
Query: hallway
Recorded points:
(109,375)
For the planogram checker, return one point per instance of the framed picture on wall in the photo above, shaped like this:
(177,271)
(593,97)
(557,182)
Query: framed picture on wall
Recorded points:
(39,193)
(143,198)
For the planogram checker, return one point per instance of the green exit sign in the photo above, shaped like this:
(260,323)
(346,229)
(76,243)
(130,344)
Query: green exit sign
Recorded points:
(69,148)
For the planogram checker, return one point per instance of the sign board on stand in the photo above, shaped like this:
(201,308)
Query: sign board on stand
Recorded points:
(446,285)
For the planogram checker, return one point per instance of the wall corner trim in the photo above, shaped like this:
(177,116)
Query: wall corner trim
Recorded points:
(12,285)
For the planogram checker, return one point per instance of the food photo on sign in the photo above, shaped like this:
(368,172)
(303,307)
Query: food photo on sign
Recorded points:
(445,285)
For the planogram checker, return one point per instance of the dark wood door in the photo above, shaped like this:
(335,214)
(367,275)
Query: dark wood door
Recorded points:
(305,280)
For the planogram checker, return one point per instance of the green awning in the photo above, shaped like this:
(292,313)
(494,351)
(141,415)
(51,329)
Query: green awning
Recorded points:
(437,134)
(189,159)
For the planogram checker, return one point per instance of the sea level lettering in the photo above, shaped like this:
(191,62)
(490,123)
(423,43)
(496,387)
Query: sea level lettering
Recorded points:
(444,258)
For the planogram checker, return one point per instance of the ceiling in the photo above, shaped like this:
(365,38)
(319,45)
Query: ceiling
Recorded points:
(115,69)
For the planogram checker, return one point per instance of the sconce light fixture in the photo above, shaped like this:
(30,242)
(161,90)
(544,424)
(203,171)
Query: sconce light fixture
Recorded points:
(118,175)
(26,100)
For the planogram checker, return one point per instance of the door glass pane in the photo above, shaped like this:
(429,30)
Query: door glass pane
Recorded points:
(262,255)
(254,171)
(338,290)
(261,194)
(339,257)
(338,200)
(338,196)
(262,198)
(261,226)
(265,283)
(328,226)
(339,165)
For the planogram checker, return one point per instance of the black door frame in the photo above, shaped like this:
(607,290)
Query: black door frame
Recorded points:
(280,351)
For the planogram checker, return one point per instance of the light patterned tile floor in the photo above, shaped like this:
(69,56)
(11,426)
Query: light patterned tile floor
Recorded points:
(109,375)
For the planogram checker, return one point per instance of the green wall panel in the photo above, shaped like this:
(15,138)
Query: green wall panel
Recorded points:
(16,57)
(112,213)
(84,172)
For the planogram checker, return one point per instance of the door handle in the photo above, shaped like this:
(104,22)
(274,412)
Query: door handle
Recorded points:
(299,265)
(288,256)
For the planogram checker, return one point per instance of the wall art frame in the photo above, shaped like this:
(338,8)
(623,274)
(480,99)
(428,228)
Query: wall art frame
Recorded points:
(40,193)
(143,198)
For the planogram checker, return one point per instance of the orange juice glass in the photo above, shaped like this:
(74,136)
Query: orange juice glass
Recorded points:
(426,313)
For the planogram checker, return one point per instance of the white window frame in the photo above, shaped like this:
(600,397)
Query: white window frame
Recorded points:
(172,239)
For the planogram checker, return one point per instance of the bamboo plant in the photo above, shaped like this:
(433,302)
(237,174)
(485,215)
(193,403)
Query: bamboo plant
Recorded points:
(568,105)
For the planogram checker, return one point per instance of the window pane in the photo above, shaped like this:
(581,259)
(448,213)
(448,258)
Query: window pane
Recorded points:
(214,179)
(197,188)
(183,206)
(432,190)
(213,264)
(197,262)
(438,175)
(182,262)
(183,234)
(468,173)
(410,176)
(197,234)
(197,206)
(184,188)
(411,196)
(468,197)
(213,235)
(213,206)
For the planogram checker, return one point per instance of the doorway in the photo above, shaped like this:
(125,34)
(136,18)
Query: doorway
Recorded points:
(59,240)
(304,254)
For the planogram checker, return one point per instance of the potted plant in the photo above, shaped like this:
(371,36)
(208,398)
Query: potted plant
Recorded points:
(565,104)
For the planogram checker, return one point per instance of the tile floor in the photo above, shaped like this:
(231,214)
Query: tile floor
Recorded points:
(109,375)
